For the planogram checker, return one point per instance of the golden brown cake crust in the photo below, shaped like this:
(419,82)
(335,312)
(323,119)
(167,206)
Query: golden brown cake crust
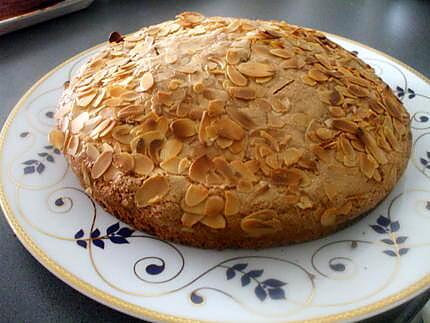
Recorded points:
(221,132)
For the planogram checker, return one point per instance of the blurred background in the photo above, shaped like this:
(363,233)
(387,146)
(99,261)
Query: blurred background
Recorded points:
(401,28)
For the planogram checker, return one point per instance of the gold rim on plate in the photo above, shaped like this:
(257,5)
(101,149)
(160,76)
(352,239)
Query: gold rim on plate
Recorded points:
(139,311)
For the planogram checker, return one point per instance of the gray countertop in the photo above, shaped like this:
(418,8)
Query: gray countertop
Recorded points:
(29,293)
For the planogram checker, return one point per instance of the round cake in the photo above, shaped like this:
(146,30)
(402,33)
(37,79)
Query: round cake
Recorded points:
(232,133)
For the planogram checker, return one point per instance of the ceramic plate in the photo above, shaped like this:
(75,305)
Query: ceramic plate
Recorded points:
(375,264)
(39,15)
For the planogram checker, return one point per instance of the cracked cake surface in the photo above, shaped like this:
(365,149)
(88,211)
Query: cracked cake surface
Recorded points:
(222,132)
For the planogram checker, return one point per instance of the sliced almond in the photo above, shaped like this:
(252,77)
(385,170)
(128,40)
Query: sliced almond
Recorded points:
(189,19)
(280,106)
(154,150)
(183,128)
(91,124)
(348,151)
(116,90)
(212,131)
(214,205)
(269,34)
(105,124)
(112,174)
(213,179)
(368,165)
(148,139)
(262,80)
(304,203)
(86,99)
(377,176)
(187,69)
(232,203)
(369,141)
(215,94)
(183,109)
(223,143)
(335,98)
(215,107)
(323,60)
(129,96)
(325,134)
(73,145)
(345,125)
(171,148)
(235,55)
(255,69)
(184,165)
(204,123)
(215,222)
(291,63)
(227,128)
(162,125)
(189,219)
(317,75)
(328,218)
(196,194)
(336,112)
(174,84)
(245,172)
(389,133)
(376,106)
(252,165)
(171,165)
(281,52)
(199,168)
(143,165)
(146,81)
(263,104)
(260,223)
(292,156)
(198,87)
(92,152)
(273,161)
(244,93)
(164,97)
(292,176)
(56,138)
(358,91)
(122,134)
(308,81)
(101,164)
(130,111)
(112,102)
(124,162)
(107,147)
(235,76)
(224,168)
(86,176)
(78,123)
(241,117)
(392,104)
(197,209)
(152,191)
(171,58)
(137,145)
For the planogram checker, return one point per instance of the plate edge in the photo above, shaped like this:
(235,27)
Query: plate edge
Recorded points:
(139,311)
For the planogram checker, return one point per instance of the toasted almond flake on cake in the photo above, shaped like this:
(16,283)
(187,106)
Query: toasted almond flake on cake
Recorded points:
(152,191)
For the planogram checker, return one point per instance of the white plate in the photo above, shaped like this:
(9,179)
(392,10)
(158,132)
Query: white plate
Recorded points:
(375,264)
(39,15)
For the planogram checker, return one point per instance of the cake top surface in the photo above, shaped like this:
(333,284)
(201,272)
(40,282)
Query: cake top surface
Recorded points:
(216,113)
